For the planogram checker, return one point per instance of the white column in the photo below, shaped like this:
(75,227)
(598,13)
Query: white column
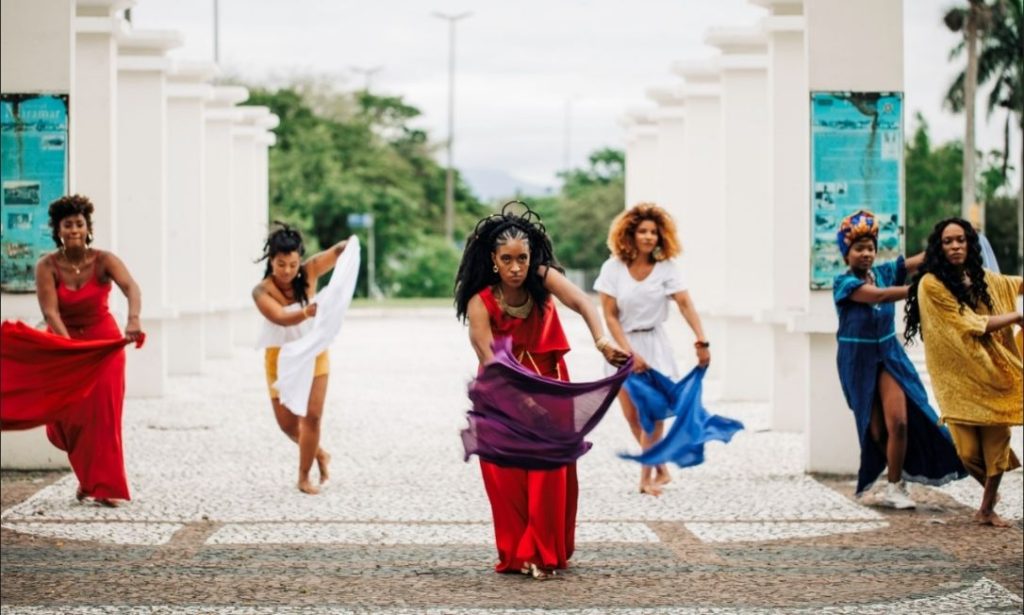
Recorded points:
(850,47)
(703,178)
(220,115)
(142,194)
(245,230)
(790,133)
(94,112)
(748,247)
(36,55)
(187,93)
(641,158)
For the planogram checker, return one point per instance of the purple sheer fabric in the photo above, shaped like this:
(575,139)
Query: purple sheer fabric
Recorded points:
(523,420)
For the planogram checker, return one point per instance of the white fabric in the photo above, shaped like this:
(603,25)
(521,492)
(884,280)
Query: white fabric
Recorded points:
(643,307)
(274,336)
(297,361)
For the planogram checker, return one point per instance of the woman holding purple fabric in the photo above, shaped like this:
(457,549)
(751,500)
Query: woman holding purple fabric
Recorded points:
(503,287)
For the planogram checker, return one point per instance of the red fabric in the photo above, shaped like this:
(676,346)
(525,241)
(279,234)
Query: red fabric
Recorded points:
(75,386)
(534,511)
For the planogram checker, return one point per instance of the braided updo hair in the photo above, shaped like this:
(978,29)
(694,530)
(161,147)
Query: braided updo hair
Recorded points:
(476,271)
(286,239)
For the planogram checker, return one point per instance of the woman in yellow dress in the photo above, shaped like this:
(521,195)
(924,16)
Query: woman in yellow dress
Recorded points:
(965,315)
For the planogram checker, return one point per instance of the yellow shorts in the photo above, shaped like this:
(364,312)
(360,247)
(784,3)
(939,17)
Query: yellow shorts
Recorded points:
(984,449)
(322,368)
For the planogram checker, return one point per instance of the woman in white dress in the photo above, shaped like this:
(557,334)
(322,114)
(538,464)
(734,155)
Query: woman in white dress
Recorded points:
(636,285)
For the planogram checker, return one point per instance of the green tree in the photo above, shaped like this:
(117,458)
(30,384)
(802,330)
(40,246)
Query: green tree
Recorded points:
(932,184)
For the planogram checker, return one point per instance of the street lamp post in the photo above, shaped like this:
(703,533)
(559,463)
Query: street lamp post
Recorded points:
(367,74)
(449,184)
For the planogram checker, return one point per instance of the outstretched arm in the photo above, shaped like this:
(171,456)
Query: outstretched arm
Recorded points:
(275,312)
(480,336)
(124,280)
(689,312)
(873,294)
(913,263)
(322,262)
(577,301)
(1001,321)
(46,293)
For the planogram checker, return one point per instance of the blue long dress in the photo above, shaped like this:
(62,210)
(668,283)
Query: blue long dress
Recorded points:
(868,344)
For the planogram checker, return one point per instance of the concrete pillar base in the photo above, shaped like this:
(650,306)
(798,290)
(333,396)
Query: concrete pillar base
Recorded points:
(30,450)
(186,348)
(218,336)
(146,373)
(790,382)
(245,327)
(831,435)
(748,370)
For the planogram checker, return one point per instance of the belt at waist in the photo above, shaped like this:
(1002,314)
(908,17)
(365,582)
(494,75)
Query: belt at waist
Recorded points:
(647,330)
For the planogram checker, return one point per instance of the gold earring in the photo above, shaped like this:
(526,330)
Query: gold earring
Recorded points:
(495,269)
(88,238)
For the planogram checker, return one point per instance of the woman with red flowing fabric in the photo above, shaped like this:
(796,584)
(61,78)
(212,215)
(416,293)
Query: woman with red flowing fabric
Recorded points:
(73,286)
(503,287)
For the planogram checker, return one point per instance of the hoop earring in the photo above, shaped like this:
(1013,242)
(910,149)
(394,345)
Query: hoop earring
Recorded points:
(495,269)
(88,238)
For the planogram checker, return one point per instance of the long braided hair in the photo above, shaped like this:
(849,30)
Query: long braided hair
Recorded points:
(476,271)
(951,277)
(286,239)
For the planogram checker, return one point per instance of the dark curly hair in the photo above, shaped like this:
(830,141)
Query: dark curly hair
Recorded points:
(70,205)
(284,240)
(951,277)
(476,271)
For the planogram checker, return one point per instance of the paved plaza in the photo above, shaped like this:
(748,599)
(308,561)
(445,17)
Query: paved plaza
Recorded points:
(216,524)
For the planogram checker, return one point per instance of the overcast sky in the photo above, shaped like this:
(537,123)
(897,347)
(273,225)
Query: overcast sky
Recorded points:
(518,62)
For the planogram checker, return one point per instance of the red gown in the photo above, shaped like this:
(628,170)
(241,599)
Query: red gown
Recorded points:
(534,511)
(79,387)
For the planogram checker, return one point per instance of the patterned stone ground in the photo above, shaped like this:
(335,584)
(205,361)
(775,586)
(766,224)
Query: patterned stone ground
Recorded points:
(217,526)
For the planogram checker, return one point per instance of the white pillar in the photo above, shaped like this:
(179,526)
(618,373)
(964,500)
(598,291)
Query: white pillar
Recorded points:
(641,158)
(748,342)
(94,112)
(220,115)
(850,47)
(187,93)
(36,56)
(142,195)
(790,133)
(248,234)
(702,174)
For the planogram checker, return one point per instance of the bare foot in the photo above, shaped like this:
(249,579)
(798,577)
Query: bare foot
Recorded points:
(661,476)
(650,489)
(108,503)
(991,518)
(323,462)
(305,486)
(80,495)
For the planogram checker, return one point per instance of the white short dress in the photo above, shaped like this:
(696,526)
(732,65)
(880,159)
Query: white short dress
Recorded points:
(643,308)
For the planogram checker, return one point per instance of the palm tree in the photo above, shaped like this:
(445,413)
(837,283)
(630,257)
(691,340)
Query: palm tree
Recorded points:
(999,62)
(971,21)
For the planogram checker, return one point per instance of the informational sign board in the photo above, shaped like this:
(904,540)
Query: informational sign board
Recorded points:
(33,173)
(856,163)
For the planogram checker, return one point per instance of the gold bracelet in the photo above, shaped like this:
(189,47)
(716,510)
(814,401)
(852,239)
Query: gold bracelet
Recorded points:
(602,343)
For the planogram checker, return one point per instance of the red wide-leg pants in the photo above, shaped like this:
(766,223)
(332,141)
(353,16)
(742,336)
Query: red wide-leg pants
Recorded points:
(534,515)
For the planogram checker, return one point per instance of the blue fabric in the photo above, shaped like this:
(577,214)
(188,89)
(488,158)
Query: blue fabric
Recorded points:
(868,344)
(988,256)
(657,398)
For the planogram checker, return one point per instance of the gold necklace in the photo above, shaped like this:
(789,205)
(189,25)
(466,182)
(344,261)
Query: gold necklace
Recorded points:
(78,267)
(515,311)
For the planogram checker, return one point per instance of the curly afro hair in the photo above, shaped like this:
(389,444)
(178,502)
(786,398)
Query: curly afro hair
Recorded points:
(70,205)
(621,235)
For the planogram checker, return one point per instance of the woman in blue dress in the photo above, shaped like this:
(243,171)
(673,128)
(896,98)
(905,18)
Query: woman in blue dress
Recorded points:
(896,426)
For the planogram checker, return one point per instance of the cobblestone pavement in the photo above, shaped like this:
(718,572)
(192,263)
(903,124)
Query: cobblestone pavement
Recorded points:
(216,524)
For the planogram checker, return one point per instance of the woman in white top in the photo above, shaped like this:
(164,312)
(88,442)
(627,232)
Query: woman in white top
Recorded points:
(636,285)
(283,298)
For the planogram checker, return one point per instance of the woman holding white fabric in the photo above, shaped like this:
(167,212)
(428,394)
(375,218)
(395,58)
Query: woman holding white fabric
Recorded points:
(636,285)
(284,299)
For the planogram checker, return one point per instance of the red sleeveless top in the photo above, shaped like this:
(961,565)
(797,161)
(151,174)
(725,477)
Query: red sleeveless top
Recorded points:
(538,341)
(86,311)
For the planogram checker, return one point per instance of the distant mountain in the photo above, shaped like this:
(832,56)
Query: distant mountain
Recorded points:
(493,185)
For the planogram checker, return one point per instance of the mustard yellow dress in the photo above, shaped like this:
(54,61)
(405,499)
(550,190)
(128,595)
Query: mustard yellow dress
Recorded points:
(977,376)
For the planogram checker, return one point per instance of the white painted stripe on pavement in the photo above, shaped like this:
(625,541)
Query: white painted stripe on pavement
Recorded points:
(405,534)
(782,530)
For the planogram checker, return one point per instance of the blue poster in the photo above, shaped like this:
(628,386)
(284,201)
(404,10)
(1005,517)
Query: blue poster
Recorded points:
(33,173)
(856,163)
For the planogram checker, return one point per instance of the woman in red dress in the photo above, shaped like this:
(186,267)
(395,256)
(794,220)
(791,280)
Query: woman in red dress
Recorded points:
(73,285)
(503,287)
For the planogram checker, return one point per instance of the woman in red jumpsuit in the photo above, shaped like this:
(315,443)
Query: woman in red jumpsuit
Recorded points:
(504,286)
(73,285)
